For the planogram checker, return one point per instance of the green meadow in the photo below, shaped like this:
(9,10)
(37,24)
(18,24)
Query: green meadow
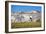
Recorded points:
(26,24)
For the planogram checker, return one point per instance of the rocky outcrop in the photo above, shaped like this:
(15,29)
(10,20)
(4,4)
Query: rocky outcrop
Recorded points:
(25,16)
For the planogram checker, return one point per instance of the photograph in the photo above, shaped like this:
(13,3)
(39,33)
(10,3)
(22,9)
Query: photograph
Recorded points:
(25,16)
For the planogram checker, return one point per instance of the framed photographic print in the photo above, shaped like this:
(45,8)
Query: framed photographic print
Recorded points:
(24,16)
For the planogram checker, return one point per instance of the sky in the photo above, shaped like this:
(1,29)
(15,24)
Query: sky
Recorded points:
(19,8)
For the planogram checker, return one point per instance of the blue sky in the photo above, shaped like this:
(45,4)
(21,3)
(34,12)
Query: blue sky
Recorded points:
(19,8)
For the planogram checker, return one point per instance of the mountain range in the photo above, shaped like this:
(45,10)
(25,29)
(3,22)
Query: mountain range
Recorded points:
(25,16)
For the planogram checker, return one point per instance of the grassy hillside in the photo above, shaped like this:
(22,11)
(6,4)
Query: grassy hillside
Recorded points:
(26,25)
